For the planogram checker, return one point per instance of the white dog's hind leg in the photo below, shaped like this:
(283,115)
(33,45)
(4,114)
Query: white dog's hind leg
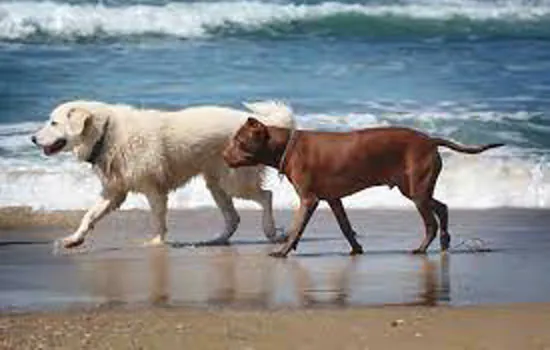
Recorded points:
(230,215)
(265,199)
(158,202)
(92,216)
(246,183)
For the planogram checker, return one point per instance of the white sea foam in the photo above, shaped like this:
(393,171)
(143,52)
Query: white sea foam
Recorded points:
(443,121)
(23,19)
(466,182)
(506,177)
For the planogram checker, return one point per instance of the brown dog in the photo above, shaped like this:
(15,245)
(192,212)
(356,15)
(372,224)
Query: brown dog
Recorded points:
(330,165)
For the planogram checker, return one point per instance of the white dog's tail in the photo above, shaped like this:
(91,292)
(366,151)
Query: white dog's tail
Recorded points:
(273,113)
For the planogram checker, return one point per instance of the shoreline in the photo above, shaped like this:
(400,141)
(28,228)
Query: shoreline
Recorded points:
(26,216)
(115,293)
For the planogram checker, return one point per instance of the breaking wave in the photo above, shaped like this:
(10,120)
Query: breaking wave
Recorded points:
(44,21)
(507,177)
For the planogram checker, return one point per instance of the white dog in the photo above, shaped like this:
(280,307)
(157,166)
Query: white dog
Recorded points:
(154,152)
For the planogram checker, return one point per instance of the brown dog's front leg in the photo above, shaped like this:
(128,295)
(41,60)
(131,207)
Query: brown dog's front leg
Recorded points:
(345,226)
(307,207)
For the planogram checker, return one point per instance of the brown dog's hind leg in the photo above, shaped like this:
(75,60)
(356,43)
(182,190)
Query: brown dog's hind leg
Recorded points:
(430,225)
(440,209)
(307,207)
(422,181)
(345,226)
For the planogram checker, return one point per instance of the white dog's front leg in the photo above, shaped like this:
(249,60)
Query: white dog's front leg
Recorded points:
(158,202)
(93,215)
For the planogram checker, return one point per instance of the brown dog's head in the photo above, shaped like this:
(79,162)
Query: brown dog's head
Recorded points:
(248,145)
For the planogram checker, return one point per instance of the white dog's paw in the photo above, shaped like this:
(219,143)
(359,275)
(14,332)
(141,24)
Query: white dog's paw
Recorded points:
(279,237)
(155,241)
(72,242)
(66,245)
(222,240)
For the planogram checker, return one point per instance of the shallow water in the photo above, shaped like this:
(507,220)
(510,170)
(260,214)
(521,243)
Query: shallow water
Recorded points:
(498,256)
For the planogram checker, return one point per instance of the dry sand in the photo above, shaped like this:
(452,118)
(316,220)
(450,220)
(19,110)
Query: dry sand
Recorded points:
(521,326)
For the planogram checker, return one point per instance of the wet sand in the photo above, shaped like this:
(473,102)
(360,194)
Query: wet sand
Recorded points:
(492,289)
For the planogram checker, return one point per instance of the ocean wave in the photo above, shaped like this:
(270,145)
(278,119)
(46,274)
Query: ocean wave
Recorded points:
(38,21)
(523,130)
(520,129)
(447,119)
(517,175)
(491,180)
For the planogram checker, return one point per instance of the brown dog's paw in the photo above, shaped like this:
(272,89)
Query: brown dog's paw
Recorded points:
(418,251)
(356,251)
(445,241)
(278,254)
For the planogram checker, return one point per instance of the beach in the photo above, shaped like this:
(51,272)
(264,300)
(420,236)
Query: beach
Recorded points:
(489,292)
(471,71)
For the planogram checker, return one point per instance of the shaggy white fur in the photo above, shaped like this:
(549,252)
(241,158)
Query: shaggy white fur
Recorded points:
(153,152)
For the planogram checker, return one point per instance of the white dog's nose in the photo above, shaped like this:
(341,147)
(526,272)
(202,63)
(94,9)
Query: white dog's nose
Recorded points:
(33,139)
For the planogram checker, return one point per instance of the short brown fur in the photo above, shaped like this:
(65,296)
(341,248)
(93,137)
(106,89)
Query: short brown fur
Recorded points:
(330,165)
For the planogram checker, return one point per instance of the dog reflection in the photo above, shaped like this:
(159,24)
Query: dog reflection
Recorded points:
(435,281)
(235,279)
(230,277)
(159,267)
(335,286)
(335,290)
(123,280)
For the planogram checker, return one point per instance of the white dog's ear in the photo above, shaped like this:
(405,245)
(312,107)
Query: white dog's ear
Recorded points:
(78,119)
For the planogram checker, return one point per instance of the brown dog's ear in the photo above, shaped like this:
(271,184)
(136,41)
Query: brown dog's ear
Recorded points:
(257,128)
(253,122)
(79,118)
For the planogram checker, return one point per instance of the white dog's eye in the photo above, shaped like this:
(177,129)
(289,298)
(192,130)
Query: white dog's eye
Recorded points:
(53,123)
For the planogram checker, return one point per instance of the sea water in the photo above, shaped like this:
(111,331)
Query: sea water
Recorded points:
(474,71)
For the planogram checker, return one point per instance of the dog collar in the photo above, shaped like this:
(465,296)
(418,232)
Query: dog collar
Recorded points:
(98,146)
(291,140)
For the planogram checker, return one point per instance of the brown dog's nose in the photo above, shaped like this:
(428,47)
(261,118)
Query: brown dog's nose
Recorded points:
(33,139)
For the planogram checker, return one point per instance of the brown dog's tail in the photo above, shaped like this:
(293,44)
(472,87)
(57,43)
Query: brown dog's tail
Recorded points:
(465,149)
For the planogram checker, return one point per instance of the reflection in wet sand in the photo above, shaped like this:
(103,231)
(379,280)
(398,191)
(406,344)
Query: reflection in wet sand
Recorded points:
(334,288)
(159,268)
(434,275)
(106,279)
(114,269)
(229,277)
(236,280)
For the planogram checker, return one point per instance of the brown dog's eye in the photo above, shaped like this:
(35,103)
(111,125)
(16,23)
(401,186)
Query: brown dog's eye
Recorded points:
(240,144)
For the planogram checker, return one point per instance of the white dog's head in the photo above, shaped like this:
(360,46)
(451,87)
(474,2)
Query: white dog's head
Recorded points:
(71,125)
